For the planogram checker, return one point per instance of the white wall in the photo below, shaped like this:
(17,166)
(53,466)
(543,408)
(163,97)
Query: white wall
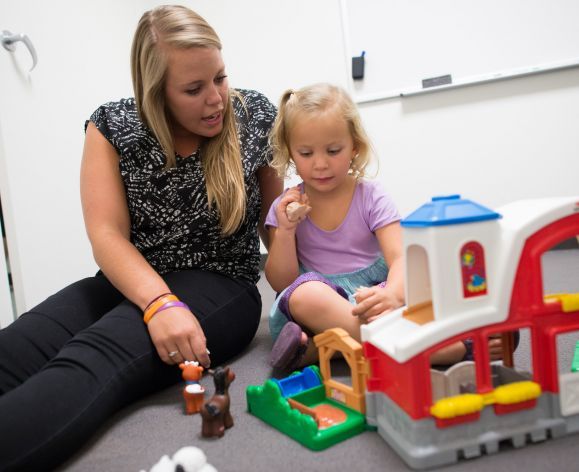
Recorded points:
(468,40)
(275,45)
(493,143)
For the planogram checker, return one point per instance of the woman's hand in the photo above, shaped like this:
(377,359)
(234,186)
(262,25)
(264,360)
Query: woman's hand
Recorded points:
(177,330)
(373,302)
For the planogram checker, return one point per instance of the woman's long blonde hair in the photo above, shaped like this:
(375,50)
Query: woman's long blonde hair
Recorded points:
(179,27)
(310,100)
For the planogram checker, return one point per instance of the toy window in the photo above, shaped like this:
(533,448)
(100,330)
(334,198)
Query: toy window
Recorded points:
(568,370)
(511,356)
(472,266)
(454,380)
(560,277)
(568,352)
(419,286)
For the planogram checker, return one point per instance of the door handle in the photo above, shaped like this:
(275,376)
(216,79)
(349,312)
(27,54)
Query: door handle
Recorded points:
(9,41)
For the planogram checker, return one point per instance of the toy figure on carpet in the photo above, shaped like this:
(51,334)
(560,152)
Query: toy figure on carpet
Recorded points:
(215,412)
(193,393)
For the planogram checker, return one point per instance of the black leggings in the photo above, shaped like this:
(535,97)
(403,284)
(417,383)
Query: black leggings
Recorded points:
(82,354)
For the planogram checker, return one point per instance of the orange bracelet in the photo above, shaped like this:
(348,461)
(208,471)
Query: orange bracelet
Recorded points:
(155,299)
(158,303)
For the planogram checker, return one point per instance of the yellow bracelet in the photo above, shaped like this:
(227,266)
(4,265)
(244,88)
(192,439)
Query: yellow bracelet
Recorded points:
(158,303)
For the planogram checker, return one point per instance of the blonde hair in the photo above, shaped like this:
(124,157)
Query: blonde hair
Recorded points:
(179,27)
(317,98)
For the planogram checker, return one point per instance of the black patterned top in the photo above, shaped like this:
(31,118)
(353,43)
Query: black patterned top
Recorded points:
(171,223)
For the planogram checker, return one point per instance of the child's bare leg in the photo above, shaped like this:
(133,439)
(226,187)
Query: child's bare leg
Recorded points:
(311,356)
(448,355)
(317,307)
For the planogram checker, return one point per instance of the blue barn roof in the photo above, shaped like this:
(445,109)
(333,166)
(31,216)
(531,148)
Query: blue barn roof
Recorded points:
(448,210)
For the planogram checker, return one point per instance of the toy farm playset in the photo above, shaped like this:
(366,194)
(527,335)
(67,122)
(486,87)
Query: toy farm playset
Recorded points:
(310,406)
(472,274)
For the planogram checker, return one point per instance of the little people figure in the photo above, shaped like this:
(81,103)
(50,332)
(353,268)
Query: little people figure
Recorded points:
(193,393)
(215,414)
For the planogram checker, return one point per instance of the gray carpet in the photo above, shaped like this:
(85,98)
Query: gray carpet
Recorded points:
(138,436)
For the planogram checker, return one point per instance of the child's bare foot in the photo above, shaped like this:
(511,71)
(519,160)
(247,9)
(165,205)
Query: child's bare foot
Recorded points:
(310,355)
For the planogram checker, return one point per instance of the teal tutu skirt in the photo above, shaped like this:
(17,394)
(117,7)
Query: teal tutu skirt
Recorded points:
(345,284)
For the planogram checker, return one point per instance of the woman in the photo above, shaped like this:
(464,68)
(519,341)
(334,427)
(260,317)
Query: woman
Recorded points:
(174,184)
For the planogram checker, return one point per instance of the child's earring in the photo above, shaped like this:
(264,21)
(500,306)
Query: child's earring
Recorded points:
(352,169)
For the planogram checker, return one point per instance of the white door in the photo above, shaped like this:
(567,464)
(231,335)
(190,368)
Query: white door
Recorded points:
(6,309)
(83,61)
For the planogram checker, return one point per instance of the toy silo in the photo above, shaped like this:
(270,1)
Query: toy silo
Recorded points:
(450,244)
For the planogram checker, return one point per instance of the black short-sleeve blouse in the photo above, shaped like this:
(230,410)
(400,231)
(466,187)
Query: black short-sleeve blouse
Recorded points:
(171,223)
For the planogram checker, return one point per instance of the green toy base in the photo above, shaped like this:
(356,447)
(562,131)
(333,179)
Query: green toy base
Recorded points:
(268,404)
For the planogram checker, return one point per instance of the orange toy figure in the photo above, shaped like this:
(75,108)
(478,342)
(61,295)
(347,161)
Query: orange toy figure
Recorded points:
(193,393)
(215,413)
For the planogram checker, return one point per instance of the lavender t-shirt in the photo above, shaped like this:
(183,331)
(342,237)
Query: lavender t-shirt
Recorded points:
(352,245)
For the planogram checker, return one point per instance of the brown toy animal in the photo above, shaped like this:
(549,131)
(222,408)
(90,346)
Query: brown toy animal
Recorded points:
(215,414)
(193,393)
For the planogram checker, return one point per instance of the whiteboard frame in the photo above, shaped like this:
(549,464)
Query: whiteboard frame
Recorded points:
(468,81)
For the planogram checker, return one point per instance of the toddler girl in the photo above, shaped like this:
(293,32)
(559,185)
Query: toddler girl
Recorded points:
(340,265)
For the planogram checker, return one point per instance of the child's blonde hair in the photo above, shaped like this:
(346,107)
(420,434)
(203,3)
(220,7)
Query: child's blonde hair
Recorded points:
(317,99)
(179,27)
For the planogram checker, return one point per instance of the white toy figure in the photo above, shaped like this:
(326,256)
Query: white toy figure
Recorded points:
(186,459)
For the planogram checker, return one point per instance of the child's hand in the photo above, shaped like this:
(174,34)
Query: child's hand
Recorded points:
(297,211)
(374,302)
(286,219)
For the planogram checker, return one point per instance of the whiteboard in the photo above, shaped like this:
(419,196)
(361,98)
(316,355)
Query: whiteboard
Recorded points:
(473,41)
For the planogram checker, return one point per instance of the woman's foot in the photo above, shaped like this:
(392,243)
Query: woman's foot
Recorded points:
(289,348)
